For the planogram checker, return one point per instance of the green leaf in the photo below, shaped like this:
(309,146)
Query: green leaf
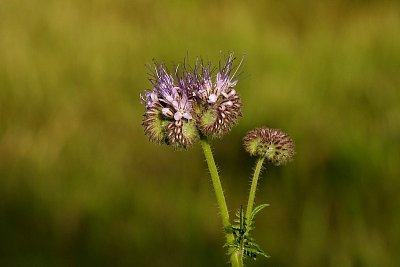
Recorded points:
(241,231)
(257,210)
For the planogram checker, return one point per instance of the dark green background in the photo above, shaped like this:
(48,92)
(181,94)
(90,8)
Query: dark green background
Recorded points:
(80,184)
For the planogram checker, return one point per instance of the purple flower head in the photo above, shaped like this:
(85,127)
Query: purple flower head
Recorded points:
(189,100)
(168,117)
(172,98)
(219,103)
(223,84)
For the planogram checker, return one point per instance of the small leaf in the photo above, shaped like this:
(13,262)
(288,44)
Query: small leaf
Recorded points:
(241,232)
(257,210)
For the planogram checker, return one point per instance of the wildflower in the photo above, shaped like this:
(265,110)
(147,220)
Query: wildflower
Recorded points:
(217,105)
(168,117)
(273,144)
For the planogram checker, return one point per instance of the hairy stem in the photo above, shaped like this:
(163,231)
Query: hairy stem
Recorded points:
(236,257)
(253,189)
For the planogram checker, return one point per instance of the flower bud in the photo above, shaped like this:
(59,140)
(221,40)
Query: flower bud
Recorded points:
(273,144)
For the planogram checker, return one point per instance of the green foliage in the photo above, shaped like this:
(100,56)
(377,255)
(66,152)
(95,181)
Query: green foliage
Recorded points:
(241,231)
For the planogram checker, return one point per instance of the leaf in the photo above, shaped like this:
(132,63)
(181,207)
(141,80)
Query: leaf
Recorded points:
(241,231)
(253,252)
(257,210)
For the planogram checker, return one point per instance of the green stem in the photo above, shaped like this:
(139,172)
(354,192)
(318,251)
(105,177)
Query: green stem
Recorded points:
(253,188)
(236,257)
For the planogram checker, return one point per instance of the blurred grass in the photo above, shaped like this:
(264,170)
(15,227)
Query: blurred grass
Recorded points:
(80,185)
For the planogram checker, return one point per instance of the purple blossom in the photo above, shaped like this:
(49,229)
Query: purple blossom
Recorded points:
(222,86)
(218,104)
(172,98)
(199,96)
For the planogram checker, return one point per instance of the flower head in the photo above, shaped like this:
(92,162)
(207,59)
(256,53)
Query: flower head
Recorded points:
(273,144)
(189,101)
(217,102)
(167,117)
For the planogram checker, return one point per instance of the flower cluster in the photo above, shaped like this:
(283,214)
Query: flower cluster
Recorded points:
(191,102)
(273,144)
(198,102)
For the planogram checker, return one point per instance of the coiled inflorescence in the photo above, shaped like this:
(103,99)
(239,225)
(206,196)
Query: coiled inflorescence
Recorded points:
(218,105)
(168,117)
(273,144)
(191,102)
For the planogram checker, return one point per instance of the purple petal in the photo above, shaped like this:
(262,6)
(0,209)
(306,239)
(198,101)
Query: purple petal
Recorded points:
(178,116)
(167,112)
(187,115)
(212,98)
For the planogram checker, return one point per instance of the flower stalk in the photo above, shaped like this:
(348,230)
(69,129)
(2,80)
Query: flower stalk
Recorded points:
(237,259)
(236,256)
(253,188)
(219,193)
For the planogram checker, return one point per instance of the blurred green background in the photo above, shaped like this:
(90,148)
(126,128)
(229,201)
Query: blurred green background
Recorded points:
(80,184)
